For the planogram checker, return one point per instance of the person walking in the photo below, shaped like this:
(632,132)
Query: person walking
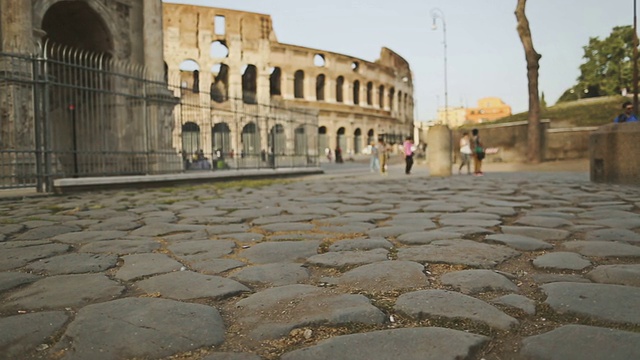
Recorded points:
(627,114)
(382,156)
(408,155)
(465,153)
(478,152)
(374,163)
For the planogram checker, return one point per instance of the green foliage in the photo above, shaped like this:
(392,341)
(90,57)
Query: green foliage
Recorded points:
(586,112)
(607,68)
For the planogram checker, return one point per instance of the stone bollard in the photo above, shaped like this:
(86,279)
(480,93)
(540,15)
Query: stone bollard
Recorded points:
(614,154)
(439,150)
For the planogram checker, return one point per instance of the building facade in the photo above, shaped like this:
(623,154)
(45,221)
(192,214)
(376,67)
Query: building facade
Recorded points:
(230,60)
(488,109)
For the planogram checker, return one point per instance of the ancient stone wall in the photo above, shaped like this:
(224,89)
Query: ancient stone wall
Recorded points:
(357,100)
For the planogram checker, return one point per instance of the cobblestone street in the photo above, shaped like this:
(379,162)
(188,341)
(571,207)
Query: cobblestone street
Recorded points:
(343,265)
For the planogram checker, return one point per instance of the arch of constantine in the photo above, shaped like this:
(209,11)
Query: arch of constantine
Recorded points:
(234,63)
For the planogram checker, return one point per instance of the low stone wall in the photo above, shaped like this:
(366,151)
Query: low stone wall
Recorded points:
(615,154)
(511,141)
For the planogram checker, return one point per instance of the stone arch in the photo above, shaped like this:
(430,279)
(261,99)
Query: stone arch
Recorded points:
(190,75)
(323,141)
(221,135)
(381,96)
(79,24)
(277,140)
(320,82)
(357,141)
(298,84)
(341,139)
(250,85)
(392,94)
(370,93)
(371,137)
(250,140)
(218,50)
(220,85)
(340,89)
(299,141)
(190,138)
(275,81)
(356,92)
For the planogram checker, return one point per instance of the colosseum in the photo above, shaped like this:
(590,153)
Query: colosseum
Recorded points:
(235,77)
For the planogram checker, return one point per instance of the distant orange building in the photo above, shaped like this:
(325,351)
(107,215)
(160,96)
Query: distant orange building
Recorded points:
(489,109)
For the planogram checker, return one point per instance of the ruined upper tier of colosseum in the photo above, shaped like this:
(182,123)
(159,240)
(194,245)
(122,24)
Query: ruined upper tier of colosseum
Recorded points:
(230,61)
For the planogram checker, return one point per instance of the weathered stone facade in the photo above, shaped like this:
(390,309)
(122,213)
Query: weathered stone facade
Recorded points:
(238,57)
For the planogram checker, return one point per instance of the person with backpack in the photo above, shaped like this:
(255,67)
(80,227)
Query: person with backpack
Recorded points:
(478,153)
(627,114)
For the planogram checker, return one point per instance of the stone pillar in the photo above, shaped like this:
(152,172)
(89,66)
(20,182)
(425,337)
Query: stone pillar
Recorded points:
(153,38)
(439,150)
(613,151)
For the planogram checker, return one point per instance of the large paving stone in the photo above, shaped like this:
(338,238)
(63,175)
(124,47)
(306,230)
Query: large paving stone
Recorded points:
(551,278)
(272,274)
(122,247)
(164,228)
(405,344)
(22,334)
(475,281)
(216,266)
(231,356)
(536,232)
(394,230)
(465,252)
(141,328)
(282,251)
(561,261)
(619,223)
(46,232)
(613,303)
(577,342)
(603,248)
(340,259)
(517,301)
(140,265)
(519,242)
(543,221)
(288,226)
(84,237)
(17,254)
(201,250)
(62,291)
(185,285)
(285,219)
(274,312)
(425,237)
(361,244)
(623,235)
(384,276)
(10,280)
(74,263)
(616,274)
(452,305)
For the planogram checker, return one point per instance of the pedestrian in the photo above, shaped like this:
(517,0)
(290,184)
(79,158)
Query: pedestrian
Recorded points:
(465,153)
(338,155)
(408,154)
(478,153)
(374,163)
(382,156)
(627,114)
(327,152)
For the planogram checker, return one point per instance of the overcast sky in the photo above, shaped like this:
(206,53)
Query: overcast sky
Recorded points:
(485,55)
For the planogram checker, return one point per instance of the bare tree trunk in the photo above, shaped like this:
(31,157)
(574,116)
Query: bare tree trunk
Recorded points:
(533,58)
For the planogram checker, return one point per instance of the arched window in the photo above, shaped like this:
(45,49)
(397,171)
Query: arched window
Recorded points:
(250,85)
(298,85)
(356,92)
(274,82)
(391,96)
(339,89)
(381,96)
(220,85)
(369,93)
(320,87)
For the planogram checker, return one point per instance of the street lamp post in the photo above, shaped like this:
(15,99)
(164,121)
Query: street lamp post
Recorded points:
(635,60)
(438,14)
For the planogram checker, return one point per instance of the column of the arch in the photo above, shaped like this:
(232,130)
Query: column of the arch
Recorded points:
(160,101)
(17,125)
(329,88)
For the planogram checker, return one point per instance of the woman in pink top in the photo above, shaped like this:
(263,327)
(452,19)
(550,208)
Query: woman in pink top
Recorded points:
(408,155)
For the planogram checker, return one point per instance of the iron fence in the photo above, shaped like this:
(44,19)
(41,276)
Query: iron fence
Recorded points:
(70,113)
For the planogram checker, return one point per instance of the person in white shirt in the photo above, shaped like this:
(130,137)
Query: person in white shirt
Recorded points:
(465,153)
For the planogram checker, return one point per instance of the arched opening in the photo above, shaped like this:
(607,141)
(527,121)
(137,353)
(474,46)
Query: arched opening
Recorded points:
(400,108)
(341,138)
(357,141)
(189,76)
(320,87)
(250,85)
(190,138)
(318,60)
(80,125)
(381,96)
(369,93)
(356,92)
(76,24)
(277,140)
(298,84)
(221,135)
(371,140)
(250,140)
(300,141)
(323,141)
(339,89)
(218,50)
(391,98)
(220,84)
(275,81)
